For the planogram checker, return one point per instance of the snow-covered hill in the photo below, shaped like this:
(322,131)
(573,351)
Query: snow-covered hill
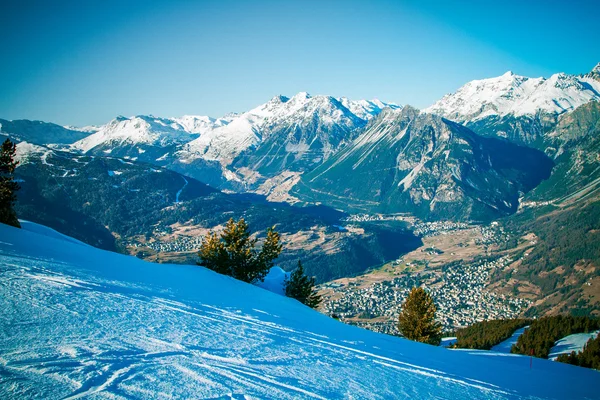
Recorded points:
(517,95)
(147,130)
(79,322)
(575,342)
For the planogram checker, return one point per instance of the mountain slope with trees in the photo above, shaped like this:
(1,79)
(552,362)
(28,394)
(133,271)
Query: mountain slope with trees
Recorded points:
(112,203)
(418,163)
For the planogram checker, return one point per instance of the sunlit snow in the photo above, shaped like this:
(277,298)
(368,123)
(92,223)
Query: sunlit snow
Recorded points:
(81,322)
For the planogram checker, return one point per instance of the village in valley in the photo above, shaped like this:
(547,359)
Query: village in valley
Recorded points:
(454,264)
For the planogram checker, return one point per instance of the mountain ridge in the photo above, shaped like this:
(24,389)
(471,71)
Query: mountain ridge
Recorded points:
(408,161)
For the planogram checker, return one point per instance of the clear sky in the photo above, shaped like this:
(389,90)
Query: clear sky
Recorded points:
(85,62)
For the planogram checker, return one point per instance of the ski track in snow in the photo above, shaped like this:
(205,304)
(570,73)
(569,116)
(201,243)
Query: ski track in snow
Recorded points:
(79,322)
(181,190)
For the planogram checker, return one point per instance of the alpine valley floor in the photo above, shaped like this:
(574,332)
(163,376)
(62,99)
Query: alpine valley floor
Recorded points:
(82,322)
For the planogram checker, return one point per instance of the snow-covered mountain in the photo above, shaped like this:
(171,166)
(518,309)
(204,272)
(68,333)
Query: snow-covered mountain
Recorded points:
(147,138)
(517,95)
(518,108)
(408,161)
(303,112)
(147,131)
(284,133)
(302,133)
(366,109)
(83,322)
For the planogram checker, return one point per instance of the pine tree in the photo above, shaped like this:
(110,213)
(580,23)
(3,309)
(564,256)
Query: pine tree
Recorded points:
(8,186)
(302,287)
(234,252)
(417,318)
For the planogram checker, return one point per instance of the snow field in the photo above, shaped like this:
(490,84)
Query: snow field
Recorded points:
(82,322)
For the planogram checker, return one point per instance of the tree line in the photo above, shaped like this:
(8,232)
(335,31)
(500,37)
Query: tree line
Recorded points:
(541,335)
(486,334)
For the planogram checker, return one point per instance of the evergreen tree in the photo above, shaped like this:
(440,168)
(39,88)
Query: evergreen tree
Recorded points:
(234,252)
(417,318)
(302,287)
(8,186)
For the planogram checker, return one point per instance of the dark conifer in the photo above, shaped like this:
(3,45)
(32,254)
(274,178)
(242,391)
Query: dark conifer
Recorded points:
(417,318)
(8,186)
(234,252)
(302,287)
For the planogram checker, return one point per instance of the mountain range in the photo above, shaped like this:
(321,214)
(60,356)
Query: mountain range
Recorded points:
(407,160)
(364,155)
(523,150)
(516,107)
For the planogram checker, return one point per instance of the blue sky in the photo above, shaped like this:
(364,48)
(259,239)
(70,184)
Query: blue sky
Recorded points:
(85,62)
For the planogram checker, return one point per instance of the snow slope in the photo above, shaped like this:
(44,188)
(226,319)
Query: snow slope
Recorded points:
(505,346)
(148,130)
(517,95)
(570,343)
(367,109)
(81,322)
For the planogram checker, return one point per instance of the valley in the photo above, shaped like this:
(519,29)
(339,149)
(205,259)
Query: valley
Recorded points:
(455,263)
(358,200)
(373,197)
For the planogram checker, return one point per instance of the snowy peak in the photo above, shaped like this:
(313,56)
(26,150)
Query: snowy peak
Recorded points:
(199,124)
(279,99)
(148,130)
(301,97)
(302,113)
(516,95)
(594,73)
(366,109)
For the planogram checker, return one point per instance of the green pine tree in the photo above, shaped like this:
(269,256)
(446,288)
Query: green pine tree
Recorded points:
(8,186)
(417,318)
(302,287)
(234,252)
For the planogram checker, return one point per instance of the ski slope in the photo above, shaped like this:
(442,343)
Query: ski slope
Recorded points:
(82,322)
(505,346)
(575,342)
